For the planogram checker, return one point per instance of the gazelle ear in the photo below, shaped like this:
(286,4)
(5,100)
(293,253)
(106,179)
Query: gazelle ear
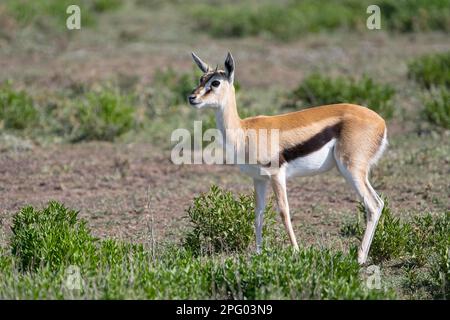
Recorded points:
(229,67)
(203,66)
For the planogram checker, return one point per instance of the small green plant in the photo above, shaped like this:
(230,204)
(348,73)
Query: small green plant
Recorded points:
(105,116)
(437,106)
(354,228)
(102,115)
(440,256)
(431,70)
(221,222)
(17,110)
(320,90)
(440,272)
(53,237)
(428,233)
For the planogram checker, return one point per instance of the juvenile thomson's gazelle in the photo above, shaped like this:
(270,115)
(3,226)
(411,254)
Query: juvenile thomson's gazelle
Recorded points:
(311,141)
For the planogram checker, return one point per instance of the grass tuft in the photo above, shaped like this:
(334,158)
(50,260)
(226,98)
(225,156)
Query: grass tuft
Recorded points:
(17,109)
(431,70)
(437,107)
(103,114)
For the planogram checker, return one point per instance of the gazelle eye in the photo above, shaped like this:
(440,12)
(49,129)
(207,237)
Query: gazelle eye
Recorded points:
(215,83)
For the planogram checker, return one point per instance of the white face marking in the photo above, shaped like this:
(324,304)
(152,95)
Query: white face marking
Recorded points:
(210,96)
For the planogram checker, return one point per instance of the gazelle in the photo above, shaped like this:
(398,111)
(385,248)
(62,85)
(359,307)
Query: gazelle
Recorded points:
(311,141)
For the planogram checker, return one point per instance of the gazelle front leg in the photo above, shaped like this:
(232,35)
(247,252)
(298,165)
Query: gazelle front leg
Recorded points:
(279,188)
(260,206)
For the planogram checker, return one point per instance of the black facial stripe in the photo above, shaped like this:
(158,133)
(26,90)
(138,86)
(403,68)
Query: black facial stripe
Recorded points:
(206,77)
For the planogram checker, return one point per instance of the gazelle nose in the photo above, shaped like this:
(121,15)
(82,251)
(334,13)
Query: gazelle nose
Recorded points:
(192,98)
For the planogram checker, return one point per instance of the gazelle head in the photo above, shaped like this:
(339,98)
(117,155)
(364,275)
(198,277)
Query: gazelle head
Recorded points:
(215,87)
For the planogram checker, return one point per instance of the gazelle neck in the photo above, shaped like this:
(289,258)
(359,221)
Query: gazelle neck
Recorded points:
(229,124)
(227,117)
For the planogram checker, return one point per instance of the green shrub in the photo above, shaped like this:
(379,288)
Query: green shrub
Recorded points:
(437,107)
(431,70)
(222,222)
(17,110)
(55,237)
(428,234)
(52,237)
(320,90)
(102,116)
(105,116)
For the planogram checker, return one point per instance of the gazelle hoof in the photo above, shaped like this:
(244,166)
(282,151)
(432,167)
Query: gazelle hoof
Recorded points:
(362,259)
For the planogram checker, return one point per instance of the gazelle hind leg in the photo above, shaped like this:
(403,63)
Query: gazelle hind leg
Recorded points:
(375,195)
(372,203)
(279,188)
(373,215)
(260,199)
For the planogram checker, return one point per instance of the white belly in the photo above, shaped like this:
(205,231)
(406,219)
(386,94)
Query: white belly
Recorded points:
(314,163)
(317,162)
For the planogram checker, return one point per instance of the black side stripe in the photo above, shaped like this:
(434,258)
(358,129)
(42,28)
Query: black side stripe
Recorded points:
(311,145)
